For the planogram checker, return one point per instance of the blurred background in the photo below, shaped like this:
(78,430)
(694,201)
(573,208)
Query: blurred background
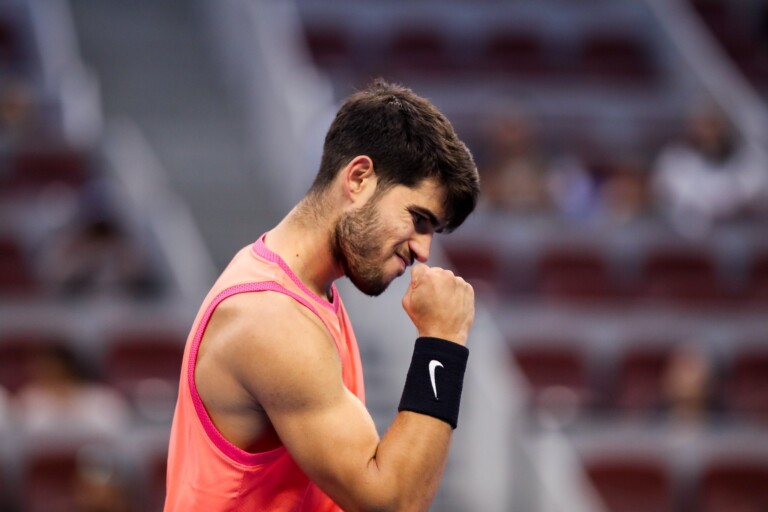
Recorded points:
(619,253)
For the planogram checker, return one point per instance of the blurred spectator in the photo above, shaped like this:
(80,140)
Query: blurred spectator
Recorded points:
(21,122)
(96,256)
(624,191)
(572,188)
(687,385)
(59,398)
(516,173)
(712,175)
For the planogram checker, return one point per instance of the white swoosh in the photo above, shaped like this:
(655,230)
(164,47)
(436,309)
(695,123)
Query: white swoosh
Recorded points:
(432,365)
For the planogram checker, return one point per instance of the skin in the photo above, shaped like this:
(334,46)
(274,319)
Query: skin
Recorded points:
(268,371)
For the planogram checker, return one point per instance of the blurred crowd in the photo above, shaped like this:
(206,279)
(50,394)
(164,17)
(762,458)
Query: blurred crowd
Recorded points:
(60,210)
(706,175)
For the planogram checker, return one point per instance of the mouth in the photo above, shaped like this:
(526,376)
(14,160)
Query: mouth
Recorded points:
(404,262)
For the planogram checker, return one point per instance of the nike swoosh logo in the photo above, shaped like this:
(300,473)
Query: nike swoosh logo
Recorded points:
(433,364)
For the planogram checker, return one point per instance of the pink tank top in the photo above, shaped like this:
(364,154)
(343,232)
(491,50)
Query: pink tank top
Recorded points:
(205,471)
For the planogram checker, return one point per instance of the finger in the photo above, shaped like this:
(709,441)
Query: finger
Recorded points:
(417,271)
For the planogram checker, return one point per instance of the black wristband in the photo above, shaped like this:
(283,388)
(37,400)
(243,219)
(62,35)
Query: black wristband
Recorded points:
(435,379)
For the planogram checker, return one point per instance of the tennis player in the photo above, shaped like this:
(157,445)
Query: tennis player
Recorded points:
(270,414)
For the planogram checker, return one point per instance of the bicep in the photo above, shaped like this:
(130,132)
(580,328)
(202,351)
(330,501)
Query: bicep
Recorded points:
(294,372)
(333,440)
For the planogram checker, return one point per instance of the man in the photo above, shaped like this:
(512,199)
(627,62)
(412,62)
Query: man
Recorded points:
(270,413)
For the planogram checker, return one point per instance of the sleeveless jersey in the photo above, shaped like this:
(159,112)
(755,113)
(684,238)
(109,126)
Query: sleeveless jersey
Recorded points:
(207,472)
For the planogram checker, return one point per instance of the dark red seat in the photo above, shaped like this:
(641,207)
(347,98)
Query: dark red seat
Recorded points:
(145,366)
(516,53)
(616,57)
(48,481)
(556,373)
(156,484)
(732,484)
(639,376)
(32,169)
(137,355)
(480,265)
(330,48)
(11,48)
(756,289)
(746,386)
(16,277)
(632,483)
(683,276)
(420,52)
(574,273)
(17,351)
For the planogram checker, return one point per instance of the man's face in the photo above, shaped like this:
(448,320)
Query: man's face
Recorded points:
(376,242)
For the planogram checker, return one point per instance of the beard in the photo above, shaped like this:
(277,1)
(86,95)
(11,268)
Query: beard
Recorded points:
(357,246)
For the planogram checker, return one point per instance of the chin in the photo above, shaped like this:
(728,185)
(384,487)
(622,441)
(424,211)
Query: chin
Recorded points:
(372,288)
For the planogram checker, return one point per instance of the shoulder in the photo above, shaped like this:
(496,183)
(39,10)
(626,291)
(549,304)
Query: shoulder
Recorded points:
(263,312)
(269,341)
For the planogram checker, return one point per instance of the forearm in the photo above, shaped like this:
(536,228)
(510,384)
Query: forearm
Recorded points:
(410,460)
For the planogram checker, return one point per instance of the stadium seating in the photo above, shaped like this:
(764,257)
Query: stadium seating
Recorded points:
(731,483)
(684,276)
(746,388)
(32,169)
(557,376)
(579,274)
(16,277)
(481,265)
(637,389)
(617,58)
(517,54)
(49,480)
(632,483)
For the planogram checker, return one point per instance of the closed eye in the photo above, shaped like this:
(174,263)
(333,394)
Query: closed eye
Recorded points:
(421,223)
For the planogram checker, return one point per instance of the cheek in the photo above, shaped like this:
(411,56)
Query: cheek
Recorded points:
(396,236)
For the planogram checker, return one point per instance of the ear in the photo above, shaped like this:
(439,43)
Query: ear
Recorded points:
(359,179)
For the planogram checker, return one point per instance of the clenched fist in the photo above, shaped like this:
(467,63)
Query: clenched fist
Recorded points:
(440,304)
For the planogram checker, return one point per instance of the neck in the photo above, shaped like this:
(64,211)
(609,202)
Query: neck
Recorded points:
(303,240)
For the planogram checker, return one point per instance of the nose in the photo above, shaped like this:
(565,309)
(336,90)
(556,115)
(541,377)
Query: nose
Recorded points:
(420,245)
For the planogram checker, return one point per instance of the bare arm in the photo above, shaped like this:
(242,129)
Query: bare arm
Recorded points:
(289,364)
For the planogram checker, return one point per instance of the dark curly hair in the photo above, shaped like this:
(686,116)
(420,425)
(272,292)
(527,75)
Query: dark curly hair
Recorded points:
(408,139)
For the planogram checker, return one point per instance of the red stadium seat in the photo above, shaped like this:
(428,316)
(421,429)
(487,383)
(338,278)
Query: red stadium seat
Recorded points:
(421,52)
(746,387)
(480,265)
(616,58)
(31,169)
(65,475)
(6,496)
(145,366)
(576,273)
(156,485)
(757,282)
(639,376)
(11,52)
(15,275)
(556,373)
(17,351)
(683,276)
(516,53)
(732,484)
(632,483)
(330,48)
(136,355)
(48,482)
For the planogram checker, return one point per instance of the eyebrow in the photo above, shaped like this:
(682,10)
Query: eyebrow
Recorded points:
(429,215)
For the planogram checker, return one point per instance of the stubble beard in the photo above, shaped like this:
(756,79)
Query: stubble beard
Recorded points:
(357,247)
